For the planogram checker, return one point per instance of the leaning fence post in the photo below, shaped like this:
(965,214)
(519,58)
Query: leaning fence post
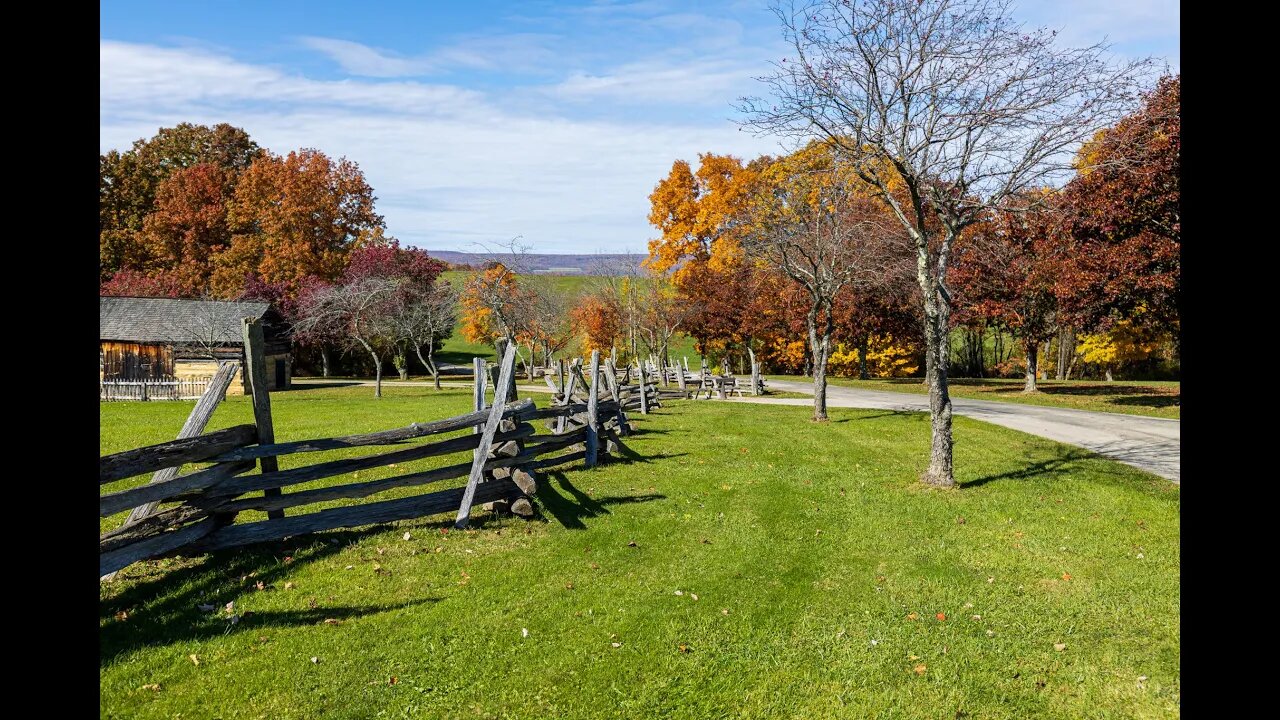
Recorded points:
(486,438)
(593,399)
(194,426)
(256,373)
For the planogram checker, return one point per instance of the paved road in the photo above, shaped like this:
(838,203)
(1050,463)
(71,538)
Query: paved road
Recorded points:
(1151,444)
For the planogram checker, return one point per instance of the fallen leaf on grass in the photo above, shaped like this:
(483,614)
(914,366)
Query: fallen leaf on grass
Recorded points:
(913,616)
(693,595)
(524,632)
(122,615)
(679,592)
(288,586)
(683,648)
(315,660)
(594,566)
(632,544)
(617,644)
(920,669)
(408,535)
(724,611)
(1059,646)
(568,586)
(260,585)
(349,567)
(332,621)
(151,686)
(941,617)
(991,633)
(393,680)
(194,660)
(1066,576)
(913,656)
(977,617)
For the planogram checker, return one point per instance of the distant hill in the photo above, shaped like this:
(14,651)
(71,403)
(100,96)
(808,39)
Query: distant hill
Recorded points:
(548,263)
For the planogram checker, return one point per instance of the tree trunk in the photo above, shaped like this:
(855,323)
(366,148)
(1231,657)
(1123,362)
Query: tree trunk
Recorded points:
(1066,349)
(1108,371)
(1032,349)
(862,356)
(937,316)
(324,361)
(429,362)
(820,346)
(377,380)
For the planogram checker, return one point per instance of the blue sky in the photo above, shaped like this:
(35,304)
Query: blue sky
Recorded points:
(477,121)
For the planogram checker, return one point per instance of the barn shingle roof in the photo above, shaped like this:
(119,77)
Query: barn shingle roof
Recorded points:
(167,320)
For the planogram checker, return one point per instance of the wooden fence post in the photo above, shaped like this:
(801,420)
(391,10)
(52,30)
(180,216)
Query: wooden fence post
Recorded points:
(611,378)
(477,393)
(593,399)
(256,373)
(755,373)
(680,375)
(486,438)
(644,396)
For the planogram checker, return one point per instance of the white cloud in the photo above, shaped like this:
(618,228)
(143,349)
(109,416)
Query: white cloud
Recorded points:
(449,167)
(706,82)
(511,52)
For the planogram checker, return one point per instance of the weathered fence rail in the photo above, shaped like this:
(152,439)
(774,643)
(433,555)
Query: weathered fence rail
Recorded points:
(499,460)
(164,389)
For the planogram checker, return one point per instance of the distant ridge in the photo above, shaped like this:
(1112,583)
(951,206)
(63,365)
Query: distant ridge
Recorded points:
(552,263)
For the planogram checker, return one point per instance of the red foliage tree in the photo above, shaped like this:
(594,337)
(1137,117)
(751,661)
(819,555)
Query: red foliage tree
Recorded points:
(1125,219)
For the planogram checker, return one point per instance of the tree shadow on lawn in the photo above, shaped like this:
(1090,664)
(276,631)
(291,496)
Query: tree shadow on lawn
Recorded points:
(171,596)
(298,387)
(1149,401)
(1063,462)
(571,512)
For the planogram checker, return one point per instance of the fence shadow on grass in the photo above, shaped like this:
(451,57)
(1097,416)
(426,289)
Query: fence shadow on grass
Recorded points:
(163,606)
(571,508)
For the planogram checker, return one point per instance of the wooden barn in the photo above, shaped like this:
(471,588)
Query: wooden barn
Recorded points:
(167,339)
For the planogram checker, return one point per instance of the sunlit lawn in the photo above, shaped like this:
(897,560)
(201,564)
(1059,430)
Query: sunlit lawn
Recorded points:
(780,569)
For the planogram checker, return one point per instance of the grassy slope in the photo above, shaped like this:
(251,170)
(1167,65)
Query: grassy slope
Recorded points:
(1156,398)
(815,547)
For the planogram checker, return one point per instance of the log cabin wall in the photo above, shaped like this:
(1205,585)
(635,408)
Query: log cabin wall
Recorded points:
(135,361)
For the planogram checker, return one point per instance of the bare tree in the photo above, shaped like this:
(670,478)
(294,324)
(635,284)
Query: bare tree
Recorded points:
(201,330)
(819,226)
(946,108)
(660,313)
(424,320)
(359,312)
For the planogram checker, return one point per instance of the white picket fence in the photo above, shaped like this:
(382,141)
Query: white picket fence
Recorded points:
(167,389)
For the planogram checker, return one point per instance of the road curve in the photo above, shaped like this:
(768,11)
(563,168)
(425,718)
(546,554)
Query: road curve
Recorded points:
(1148,443)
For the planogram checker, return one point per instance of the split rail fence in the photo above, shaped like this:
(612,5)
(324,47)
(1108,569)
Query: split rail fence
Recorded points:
(171,389)
(587,418)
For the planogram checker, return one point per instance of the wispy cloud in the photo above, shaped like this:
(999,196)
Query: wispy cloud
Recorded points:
(515,53)
(449,166)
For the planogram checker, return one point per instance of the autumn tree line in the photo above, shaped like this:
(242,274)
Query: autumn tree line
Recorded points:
(953,166)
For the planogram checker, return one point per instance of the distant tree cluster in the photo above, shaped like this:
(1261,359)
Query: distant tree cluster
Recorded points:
(199,211)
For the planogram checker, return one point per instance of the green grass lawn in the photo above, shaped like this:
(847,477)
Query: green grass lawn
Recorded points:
(1156,398)
(780,569)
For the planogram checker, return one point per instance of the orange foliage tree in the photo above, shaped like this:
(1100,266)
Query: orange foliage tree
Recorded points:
(296,216)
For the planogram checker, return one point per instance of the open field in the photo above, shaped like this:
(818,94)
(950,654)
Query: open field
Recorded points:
(816,579)
(1155,398)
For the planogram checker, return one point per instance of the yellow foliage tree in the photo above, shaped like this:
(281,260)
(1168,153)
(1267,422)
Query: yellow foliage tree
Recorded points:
(886,357)
(1126,342)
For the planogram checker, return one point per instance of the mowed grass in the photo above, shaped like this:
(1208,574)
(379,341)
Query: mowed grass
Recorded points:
(819,566)
(1155,398)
